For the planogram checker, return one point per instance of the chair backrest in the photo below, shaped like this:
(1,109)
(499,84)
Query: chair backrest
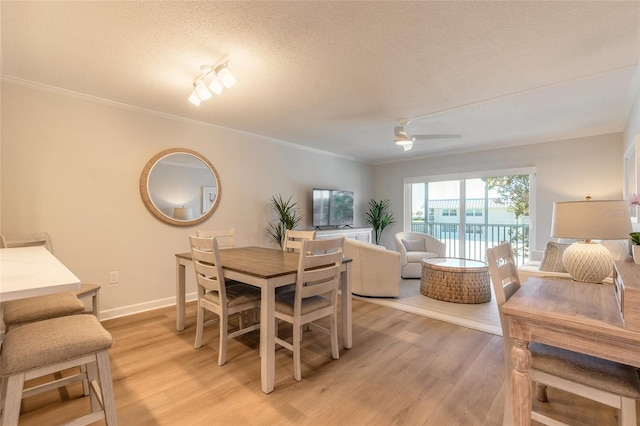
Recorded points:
(503,272)
(432,243)
(226,238)
(27,240)
(293,239)
(206,262)
(504,279)
(319,269)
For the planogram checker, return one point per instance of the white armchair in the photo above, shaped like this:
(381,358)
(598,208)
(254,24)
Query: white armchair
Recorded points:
(375,271)
(415,246)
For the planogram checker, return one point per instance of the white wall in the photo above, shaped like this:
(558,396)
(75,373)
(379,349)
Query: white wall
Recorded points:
(71,167)
(566,170)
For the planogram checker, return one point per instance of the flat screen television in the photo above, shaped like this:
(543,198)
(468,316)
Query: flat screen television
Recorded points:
(332,208)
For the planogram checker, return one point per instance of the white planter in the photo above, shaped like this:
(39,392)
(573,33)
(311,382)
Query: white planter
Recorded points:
(635,250)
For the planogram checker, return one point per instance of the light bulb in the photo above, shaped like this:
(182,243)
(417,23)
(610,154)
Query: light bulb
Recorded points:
(216,85)
(194,98)
(201,89)
(226,77)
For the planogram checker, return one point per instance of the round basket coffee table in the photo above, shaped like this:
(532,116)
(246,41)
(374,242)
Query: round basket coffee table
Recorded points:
(455,280)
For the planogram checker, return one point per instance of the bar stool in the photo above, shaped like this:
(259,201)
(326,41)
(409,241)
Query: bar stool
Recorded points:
(41,348)
(22,311)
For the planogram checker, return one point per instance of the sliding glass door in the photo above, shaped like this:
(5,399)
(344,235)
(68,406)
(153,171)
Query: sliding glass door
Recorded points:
(470,214)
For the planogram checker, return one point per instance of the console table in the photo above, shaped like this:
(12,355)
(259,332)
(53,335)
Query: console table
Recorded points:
(360,234)
(580,317)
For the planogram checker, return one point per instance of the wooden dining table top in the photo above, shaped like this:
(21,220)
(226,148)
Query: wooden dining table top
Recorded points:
(261,262)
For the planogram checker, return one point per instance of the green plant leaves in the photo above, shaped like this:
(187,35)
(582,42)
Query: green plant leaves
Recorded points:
(379,217)
(289,216)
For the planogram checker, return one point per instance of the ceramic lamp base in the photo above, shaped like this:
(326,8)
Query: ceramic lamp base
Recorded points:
(635,251)
(588,262)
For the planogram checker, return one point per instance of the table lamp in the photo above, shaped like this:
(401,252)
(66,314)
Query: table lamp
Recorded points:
(588,261)
(183,213)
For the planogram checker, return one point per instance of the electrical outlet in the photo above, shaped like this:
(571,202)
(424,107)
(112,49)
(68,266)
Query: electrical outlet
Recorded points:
(113,277)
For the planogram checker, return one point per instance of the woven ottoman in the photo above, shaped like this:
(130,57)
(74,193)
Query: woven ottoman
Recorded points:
(455,280)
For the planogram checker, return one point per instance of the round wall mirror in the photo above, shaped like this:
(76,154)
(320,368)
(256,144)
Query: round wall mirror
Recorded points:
(180,187)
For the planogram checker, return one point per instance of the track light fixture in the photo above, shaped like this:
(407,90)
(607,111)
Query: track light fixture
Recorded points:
(218,78)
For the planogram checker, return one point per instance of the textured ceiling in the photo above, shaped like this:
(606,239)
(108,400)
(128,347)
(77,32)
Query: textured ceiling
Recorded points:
(337,76)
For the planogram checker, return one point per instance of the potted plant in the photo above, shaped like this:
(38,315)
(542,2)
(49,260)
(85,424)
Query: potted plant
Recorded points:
(379,217)
(289,216)
(635,247)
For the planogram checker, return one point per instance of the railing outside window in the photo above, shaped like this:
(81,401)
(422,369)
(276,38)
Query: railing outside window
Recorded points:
(478,237)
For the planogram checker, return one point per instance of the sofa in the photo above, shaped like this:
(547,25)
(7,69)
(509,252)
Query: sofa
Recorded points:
(415,246)
(375,271)
(548,263)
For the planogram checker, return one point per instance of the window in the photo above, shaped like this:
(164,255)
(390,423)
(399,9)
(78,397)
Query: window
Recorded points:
(473,211)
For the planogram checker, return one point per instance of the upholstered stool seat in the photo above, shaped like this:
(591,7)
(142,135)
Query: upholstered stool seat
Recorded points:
(41,308)
(41,348)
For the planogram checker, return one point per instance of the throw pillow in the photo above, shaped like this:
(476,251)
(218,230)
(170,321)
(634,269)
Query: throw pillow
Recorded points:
(414,245)
(552,257)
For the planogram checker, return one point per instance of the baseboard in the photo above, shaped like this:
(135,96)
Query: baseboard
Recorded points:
(142,307)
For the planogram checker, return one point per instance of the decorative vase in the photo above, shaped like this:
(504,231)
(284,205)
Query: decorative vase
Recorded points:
(635,250)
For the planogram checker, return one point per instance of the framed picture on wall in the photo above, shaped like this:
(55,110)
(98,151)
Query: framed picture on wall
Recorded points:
(208,197)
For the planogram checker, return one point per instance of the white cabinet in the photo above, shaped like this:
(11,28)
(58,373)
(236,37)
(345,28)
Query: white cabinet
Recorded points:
(360,234)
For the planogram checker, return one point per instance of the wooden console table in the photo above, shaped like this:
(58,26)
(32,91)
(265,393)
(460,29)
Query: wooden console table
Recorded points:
(579,317)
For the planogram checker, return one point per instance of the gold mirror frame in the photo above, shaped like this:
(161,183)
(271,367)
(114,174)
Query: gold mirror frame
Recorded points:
(146,196)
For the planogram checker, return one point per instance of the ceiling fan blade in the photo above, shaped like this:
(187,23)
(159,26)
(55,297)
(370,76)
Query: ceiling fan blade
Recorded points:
(429,137)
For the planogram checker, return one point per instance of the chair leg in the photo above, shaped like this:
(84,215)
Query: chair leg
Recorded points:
(224,329)
(297,338)
(106,386)
(95,304)
(333,326)
(627,413)
(3,392)
(92,375)
(85,382)
(12,399)
(199,326)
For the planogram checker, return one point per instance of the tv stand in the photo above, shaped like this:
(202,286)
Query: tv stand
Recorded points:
(360,234)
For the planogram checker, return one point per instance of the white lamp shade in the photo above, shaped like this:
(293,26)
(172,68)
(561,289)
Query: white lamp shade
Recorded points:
(226,77)
(183,213)
(216,85)
(194,98)
(586,220)
(201,89)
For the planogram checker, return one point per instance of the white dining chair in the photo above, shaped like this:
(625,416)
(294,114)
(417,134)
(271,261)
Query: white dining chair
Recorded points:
(293,239)
(226,238)
(216,296)
(315,295)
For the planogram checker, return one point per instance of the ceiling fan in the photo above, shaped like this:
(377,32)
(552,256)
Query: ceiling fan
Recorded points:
(406,141)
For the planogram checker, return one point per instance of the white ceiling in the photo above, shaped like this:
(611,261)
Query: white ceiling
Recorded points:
(336,76)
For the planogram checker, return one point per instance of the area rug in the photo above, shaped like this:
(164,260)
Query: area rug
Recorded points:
(482,316)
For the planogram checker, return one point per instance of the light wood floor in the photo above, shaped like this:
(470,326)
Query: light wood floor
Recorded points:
(403,369)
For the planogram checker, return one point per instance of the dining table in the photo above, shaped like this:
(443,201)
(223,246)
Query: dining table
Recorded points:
(266,269)
(585,318)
